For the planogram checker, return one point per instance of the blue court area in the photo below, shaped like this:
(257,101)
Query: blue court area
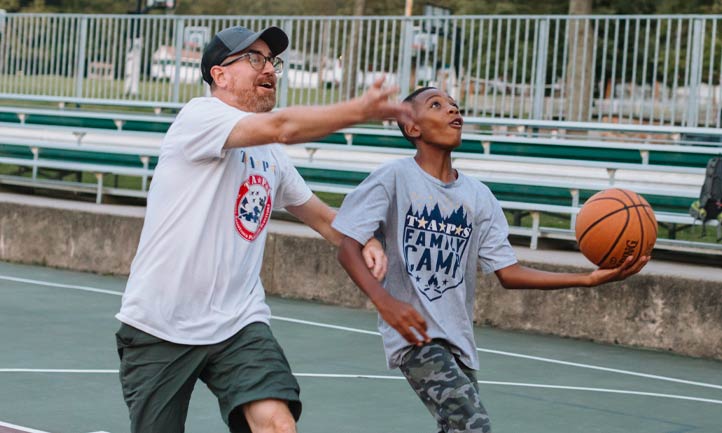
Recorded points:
(58,371)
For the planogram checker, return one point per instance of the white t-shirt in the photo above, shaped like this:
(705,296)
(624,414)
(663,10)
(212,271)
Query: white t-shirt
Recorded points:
(195,278)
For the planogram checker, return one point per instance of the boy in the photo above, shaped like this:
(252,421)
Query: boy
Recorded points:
(434,221)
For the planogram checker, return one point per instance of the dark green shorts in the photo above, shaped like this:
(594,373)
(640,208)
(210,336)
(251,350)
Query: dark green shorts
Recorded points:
(157,377)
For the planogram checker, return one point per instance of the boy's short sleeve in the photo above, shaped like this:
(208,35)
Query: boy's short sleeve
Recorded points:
(365,208)
(495,251)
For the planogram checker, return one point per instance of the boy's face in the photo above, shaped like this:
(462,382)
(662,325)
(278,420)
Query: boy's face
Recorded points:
(436,119)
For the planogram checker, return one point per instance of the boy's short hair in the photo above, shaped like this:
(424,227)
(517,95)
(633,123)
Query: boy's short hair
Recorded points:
(408,100)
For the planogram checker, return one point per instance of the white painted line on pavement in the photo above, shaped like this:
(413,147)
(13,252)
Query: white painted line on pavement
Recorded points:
(362,331)
(20,428)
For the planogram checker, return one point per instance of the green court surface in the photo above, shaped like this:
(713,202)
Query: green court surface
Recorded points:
(58,371)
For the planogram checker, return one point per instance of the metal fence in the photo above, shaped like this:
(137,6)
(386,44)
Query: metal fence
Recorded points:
(632,69)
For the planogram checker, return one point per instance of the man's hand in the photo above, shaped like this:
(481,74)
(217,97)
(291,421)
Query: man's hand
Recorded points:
(404,319)
(628,268)
(375,258)
(377,105)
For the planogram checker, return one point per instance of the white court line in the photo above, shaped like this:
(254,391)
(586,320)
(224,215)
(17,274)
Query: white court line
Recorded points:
(386,377)
(525,385)
(362,331)
(596,367)
(605,390)
(56,370)
(519,355)
(17,427)
(64,286)
(326,325)
(29,430)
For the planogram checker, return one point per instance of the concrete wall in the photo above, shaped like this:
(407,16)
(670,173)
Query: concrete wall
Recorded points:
(666,307)
(52,233)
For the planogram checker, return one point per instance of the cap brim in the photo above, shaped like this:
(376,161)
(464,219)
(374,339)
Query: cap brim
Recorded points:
(273,36)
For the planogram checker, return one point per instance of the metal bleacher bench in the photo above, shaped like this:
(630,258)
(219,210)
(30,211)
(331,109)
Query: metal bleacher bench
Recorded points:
(78,156)
(536,231)
(35,155)
(119,121)
(674,155)
(97,169)
(675,134)
(79,133)
(611,167)
(573,184)
(331,178)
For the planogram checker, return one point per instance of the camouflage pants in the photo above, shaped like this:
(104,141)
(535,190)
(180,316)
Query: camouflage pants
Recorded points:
(447,388)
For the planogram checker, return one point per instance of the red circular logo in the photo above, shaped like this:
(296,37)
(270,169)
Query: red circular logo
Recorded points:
(253,207)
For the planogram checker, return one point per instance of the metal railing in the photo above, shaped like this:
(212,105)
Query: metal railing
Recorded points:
(662,70)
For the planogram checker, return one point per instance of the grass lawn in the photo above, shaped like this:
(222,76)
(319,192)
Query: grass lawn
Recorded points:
(161,91)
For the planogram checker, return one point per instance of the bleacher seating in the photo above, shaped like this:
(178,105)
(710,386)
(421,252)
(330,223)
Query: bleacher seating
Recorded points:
(95,120)
(553,175)
(73,158)
(676,155)
(631,132)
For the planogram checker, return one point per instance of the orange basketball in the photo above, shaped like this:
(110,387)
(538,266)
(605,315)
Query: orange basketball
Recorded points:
(615,224)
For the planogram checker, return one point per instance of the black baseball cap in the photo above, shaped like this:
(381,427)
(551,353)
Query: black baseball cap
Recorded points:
(236,39)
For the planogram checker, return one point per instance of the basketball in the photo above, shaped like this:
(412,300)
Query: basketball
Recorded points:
(613,225)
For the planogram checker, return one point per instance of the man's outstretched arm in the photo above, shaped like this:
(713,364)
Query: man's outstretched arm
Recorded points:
(301,124)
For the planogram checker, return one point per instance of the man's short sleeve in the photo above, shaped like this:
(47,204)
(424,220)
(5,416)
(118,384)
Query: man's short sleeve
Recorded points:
(365,209)
(202,128)
(495,251)
(292,189)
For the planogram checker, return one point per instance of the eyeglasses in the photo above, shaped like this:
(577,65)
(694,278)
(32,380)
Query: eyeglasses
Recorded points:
(258,61)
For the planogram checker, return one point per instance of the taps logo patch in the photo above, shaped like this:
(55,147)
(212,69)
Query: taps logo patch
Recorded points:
(434,247)
(253,207)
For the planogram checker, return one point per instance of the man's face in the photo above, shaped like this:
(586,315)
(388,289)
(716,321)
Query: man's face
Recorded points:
(437,118)
(251,90)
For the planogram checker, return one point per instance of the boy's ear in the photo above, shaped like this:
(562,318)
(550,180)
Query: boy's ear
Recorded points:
(412,130)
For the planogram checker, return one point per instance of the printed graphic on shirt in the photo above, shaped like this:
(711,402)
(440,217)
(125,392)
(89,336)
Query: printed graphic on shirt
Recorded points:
(255,163)
(434,247)
(253,207)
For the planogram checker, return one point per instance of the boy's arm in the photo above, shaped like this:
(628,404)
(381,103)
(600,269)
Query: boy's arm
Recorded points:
(521,277)
(319,216)
(399,315)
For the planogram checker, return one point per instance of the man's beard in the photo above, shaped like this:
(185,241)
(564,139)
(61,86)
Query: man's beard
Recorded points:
(254,103)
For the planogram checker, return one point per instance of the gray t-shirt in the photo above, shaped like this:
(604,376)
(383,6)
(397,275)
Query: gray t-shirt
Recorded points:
(430,228)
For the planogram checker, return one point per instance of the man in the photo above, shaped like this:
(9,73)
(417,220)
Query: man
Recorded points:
(194,306)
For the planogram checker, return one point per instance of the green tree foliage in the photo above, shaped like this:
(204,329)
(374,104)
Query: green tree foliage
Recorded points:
(503,7)
(284,7)
(68,6)
(10,5)
(372,7)
(625,7)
